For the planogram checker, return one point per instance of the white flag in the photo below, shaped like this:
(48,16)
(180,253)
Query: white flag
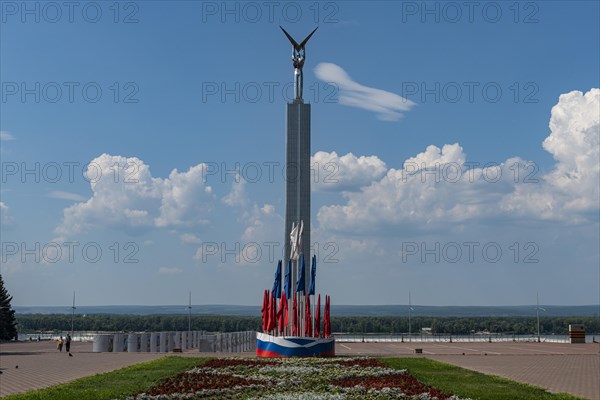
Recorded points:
(294,242)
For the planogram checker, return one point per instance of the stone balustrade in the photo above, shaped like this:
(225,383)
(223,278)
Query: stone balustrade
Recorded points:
(163,342)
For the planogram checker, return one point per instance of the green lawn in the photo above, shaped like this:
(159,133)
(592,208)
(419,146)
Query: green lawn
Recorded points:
(116,384)
(466,383)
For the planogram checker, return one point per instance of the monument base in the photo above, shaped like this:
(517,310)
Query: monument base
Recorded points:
(269,346)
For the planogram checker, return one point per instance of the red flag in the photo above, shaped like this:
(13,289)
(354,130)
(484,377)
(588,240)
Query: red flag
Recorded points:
(273,319)
(295,316)
(280,316)
(308,327)
(284,302)
(327,322)
(271,312)
(329,315)
(268,312)
(318,318)
(263,310)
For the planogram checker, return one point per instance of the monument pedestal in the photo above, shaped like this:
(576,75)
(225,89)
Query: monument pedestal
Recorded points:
(269,346)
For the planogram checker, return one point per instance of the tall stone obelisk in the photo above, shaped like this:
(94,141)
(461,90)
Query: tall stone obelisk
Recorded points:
(297,161)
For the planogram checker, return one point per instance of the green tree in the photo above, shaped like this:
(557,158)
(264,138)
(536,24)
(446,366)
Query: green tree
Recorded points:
(8,324)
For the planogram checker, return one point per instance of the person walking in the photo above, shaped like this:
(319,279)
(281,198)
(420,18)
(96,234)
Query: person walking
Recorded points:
(68,343)
(59,344)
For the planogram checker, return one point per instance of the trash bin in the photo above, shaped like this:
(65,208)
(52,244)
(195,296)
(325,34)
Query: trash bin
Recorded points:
(577,333)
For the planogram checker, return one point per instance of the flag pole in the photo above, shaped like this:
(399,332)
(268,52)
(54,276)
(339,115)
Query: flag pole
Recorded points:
(314,299)
(294,279)
(312,317)
(73,315)
(300,316)
(409,314)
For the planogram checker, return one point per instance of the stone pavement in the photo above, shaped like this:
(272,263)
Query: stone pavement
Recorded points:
(41,365)
(575,374)
(558,367)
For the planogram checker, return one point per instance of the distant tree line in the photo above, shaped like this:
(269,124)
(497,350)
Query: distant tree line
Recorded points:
(463,325)
(29,323)
(139,323)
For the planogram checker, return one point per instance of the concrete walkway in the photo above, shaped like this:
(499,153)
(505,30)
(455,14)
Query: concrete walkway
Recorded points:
(40,365)
(556,367)
(575,374)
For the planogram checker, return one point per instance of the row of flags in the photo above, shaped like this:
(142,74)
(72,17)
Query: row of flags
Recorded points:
(300,282)
(275,319)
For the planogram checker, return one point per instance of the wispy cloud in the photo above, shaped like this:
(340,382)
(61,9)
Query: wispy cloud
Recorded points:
(387,105)
(190,238)
(59,194)
(4,217)
(169,270)
(6,135)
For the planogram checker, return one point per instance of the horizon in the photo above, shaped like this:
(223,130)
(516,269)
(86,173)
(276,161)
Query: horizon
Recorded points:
(400,310)
(333,305)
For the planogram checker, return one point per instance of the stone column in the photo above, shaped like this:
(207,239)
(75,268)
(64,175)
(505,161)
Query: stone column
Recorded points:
(143,342)
(132,343)
(170,341)
(118,343)
(153,341)
(163,342)
(177,341)
(100,343)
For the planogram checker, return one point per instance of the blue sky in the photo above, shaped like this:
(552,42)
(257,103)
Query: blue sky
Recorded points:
(185,95)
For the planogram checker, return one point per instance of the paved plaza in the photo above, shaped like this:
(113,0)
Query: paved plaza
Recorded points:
(41,365)
(557,367)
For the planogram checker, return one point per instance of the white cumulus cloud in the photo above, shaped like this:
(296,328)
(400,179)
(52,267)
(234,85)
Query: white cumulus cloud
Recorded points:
(185,198)
(237,196)
(574,142)
(437,188)
(347,172)
(126,196)
(387,105)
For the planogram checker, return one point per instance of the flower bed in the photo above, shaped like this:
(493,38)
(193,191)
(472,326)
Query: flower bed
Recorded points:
(293,378)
